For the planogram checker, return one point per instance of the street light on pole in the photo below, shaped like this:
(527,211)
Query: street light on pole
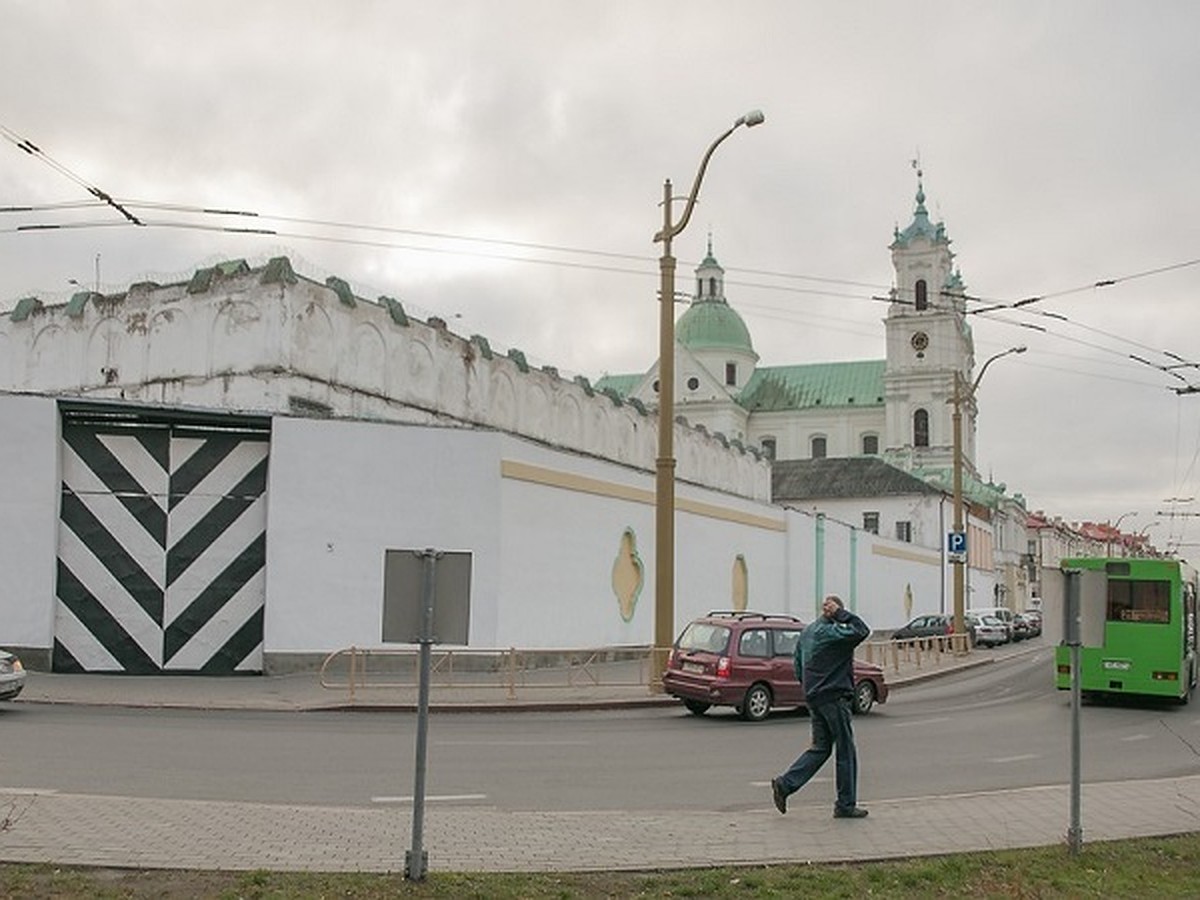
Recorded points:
(1115,528)
(965,394)
(664,494)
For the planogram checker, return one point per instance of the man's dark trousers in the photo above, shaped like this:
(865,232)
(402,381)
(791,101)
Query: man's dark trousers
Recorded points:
(830,727)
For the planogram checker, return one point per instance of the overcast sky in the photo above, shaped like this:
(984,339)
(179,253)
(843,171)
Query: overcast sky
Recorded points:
(500,164)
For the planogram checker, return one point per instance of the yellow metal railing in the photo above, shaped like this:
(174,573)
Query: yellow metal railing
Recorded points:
(915,651)
(357,669)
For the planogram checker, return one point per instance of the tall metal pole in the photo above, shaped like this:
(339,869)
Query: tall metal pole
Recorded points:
(960,566)
(664,506)
(664,485)
(417,862)
(1073,636)
(960,397)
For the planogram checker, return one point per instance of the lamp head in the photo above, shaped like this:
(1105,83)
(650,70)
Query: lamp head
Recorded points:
(750,119)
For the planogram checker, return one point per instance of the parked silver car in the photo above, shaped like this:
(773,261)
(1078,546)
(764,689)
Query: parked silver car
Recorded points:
(12,676)
(988,631)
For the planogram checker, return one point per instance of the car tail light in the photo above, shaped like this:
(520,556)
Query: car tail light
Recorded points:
(724,667)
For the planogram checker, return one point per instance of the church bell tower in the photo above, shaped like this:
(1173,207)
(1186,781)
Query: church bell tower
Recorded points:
(928,343)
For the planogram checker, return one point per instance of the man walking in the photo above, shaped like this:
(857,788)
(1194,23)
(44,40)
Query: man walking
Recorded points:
(824,663)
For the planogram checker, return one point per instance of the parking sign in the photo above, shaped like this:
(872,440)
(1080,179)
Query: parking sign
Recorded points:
(956,546)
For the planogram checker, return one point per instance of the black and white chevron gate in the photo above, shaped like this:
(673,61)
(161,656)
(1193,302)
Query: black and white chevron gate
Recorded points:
(162,546)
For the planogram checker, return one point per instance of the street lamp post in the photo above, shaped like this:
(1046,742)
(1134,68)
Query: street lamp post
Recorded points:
(1115,528)
(964,394)
(664,511)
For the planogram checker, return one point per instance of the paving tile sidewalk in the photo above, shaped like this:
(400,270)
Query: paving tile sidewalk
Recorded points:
(78,829)
(72,829)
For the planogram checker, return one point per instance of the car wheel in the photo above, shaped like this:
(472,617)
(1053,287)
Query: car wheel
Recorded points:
(864,697)
(696,707)
(757,703)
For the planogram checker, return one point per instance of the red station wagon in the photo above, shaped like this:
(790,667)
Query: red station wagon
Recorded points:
(744,660)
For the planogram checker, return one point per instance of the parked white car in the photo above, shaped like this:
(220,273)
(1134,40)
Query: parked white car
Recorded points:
(988,630)
(12,676)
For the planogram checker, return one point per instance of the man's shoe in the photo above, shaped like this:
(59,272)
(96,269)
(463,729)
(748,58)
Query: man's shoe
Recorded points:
(778,795)
(854,812)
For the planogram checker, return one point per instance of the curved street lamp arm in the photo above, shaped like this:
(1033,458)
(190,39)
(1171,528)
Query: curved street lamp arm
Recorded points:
(992,359)
(694,195)
(752,118)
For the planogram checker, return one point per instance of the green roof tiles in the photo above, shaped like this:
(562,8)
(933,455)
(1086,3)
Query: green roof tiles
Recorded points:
(837,384)
(622,384)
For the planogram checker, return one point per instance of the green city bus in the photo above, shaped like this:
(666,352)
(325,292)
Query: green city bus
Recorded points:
(1149,631)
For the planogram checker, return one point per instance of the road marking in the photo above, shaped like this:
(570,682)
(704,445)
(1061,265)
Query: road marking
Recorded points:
(1021,757)
(431,799)
(513,743)
(921,722)
(814,780)
(1137,737)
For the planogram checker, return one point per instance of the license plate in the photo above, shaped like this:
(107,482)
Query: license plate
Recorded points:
(694,668)
(1123,665)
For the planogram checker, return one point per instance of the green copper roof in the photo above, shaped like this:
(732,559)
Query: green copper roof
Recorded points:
(836,384)
(622,384)
(778,388)
(713,324)
(920,225)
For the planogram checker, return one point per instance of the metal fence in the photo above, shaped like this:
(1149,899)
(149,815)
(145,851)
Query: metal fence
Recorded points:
(357,669)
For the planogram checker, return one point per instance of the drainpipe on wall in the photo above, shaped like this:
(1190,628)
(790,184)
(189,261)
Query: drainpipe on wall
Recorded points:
(942,544)
(853,569)
(819,567)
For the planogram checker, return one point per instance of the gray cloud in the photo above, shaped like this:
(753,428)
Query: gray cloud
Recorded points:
(1056,139)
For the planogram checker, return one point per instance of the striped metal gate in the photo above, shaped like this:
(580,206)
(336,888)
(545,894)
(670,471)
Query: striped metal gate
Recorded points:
(162,547)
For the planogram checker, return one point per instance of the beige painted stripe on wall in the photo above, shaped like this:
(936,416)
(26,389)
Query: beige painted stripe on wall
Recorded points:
(519,471)
(910,555)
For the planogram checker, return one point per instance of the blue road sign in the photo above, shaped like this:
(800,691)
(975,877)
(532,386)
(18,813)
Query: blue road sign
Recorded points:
(956,545)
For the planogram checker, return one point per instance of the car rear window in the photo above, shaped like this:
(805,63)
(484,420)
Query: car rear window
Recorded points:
(705,636)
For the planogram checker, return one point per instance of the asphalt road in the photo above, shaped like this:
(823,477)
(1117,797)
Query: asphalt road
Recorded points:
(996,727)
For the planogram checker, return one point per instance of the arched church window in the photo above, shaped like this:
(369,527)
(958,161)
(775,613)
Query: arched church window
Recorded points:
(712,287)
(870,445)
(921,428)
(818,447)
(922,293)
(731,373)
(768,446)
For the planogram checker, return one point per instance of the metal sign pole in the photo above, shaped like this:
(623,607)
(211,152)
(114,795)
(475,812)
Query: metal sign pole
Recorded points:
(1073,593)
(416,861)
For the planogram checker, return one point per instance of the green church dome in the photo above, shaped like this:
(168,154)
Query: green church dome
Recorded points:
(713,324)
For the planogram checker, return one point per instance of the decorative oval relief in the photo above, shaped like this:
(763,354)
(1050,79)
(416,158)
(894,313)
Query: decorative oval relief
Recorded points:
(741,584)
(628,574)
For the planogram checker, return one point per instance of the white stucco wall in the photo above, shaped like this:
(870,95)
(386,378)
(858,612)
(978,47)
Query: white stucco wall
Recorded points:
(562,521)
(341,493)
(29,488)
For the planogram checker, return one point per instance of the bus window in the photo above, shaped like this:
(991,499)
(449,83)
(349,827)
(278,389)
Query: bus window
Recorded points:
(1139,601)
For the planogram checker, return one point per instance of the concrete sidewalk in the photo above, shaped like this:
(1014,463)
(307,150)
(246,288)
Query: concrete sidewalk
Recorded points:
(462,835)
(304,691)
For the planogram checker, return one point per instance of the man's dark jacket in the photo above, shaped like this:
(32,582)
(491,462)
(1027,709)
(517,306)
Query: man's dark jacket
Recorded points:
(824,657)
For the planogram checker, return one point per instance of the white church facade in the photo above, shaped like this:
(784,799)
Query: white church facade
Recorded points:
(898,409)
